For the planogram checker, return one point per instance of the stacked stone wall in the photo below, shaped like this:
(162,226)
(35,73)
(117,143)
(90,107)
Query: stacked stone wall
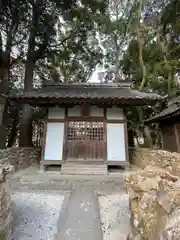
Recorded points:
(142,157)
(5,205)
(154,192)
(20,157)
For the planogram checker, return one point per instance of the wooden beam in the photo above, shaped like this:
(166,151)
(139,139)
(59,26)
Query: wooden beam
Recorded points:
(177,138)
(51,162)
(126,139)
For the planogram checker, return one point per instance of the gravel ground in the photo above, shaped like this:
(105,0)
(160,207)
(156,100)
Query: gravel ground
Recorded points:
(36,215)
(37,211)
(115,216)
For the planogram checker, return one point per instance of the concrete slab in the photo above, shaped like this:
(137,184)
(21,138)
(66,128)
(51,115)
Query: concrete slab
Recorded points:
(81,219)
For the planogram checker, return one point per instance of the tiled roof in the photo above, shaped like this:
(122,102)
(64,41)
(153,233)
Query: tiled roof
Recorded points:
(86,92)
(173,109)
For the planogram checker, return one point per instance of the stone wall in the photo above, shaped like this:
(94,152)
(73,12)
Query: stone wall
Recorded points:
(155,203)
(142,157)
(20,157)
(5,205)
(154,192)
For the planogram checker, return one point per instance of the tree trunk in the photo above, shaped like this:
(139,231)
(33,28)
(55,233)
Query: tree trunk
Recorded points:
(140,46)
(163,48)
(4,85)
(12,136)
(25,138)
(4,82)
(146,132)
(170,83)
(117,63)
(147,136)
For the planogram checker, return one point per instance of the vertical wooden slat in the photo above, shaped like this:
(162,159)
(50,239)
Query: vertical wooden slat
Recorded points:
(86,140)
(65,137)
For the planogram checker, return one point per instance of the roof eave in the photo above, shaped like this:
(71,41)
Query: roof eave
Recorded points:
(158,119)
(47,101)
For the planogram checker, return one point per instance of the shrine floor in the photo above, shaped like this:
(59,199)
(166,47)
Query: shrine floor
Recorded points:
(50,206)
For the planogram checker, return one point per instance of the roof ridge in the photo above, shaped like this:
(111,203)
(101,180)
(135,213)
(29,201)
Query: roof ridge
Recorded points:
(49,83)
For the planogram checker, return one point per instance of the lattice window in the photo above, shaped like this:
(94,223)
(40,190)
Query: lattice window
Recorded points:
(83,130)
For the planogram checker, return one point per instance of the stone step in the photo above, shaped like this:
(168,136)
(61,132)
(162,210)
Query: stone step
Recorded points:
(84,169)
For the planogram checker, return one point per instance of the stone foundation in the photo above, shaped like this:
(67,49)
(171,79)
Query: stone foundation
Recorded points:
(142,157)
(5,206)
(20,157)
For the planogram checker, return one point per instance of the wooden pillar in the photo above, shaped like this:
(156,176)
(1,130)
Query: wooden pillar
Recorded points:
(161,133)
(177,138)
(126,139)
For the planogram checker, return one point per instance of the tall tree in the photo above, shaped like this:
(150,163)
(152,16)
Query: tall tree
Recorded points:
(11,16)
(41,30)
(42,42)
(113,36)
(151,59)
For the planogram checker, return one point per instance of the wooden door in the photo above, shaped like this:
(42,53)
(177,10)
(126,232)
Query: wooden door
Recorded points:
(86,141)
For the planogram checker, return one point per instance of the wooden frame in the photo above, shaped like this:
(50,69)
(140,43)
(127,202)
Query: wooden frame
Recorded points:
(51,162)
(55,120)
(94,143)
(169,133)
(65,136)
(124,122)
(46,121)
(85,118)
(105,128)
(42,163)
(118,163)
(115,121)
(126,139)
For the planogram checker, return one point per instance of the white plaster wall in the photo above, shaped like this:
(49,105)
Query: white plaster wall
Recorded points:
(96,112)
(56,113)
(74,111)
(115,113)
(54,141)
(116,142)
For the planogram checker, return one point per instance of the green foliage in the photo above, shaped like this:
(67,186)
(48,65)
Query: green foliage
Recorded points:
(70,38)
